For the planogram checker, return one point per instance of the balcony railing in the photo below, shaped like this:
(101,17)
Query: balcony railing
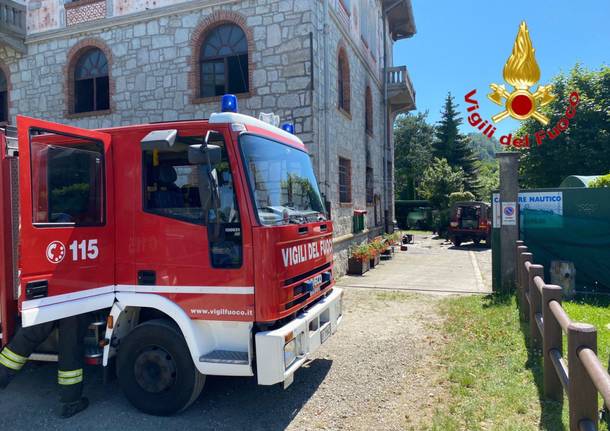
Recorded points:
(401,94)
(12,24)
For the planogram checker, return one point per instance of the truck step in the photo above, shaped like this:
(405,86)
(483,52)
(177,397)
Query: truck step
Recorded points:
(93,352)
(225,357)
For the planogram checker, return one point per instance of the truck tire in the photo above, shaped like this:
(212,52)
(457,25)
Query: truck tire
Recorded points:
(156,371)
(456,241)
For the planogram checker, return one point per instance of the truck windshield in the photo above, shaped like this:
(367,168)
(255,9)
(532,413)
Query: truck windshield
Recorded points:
(282,182)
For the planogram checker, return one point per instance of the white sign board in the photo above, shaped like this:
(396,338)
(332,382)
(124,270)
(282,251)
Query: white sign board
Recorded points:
(509,213)
(551,202)
(496,210)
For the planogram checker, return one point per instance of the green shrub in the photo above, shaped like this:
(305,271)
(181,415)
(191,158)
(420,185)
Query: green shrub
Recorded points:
(460,197)
(598,183)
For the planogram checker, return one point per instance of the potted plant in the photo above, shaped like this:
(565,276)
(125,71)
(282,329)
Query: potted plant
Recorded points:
(377,247)
(358,262)
(391,239)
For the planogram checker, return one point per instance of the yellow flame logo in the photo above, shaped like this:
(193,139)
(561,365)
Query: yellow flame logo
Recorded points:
(522,72)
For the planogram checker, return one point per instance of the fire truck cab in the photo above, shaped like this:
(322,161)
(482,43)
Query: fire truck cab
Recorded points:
(196,247)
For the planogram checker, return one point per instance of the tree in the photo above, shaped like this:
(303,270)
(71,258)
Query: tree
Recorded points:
(484,148)
(440,180)
(598,183)
(489,178)
(582,149)
(453,146)
(460,197)
(413,138)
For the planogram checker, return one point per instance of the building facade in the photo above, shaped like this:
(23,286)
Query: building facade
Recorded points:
(325,65)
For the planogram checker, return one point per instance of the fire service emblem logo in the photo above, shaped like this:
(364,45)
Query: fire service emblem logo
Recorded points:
(522,72)
(56,252)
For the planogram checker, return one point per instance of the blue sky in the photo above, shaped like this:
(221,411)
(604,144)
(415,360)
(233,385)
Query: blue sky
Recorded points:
(462,45)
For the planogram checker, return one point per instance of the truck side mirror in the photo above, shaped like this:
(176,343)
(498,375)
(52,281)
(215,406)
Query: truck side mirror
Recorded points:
(204,154)
(159,140)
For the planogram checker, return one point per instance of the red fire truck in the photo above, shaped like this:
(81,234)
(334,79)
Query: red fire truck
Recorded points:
(195,247)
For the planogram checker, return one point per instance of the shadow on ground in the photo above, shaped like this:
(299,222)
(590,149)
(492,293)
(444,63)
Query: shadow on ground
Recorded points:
(226,403)
(471,246)
(550,411)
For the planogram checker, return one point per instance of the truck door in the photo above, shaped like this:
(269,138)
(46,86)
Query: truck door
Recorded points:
(67,252)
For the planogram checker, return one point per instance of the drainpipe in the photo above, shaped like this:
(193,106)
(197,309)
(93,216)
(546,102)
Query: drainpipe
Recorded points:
(385,121)
(326,98)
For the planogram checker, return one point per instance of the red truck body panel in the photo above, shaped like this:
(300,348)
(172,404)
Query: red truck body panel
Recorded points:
(8,306)
(276,260)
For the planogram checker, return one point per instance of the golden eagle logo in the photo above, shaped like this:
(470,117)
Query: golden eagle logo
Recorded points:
(522,72)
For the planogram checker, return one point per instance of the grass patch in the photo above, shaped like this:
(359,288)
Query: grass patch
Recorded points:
(416,232)
(494,381)
(595,311)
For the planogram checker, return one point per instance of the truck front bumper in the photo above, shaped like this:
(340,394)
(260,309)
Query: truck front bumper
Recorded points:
(282,351)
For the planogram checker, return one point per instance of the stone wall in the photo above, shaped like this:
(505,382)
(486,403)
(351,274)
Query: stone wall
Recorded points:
(151,62)
(347,137)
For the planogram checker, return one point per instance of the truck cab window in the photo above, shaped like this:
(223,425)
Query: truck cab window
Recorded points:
(67,181)
(171,188)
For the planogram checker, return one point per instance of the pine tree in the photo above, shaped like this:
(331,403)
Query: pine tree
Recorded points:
(450,144)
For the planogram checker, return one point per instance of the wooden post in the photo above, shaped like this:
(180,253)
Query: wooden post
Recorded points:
(535,305)
(524,286)
(518,244)
(582,394)
(520,249)
(552,339)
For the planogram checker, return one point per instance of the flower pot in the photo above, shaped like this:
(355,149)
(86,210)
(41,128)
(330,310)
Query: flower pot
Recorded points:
(374,261)
(357,266)
(387,253)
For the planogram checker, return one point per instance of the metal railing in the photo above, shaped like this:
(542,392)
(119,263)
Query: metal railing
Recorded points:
(12,18)
(583,376)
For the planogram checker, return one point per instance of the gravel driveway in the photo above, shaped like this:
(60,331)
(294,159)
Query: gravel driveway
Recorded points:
(360,380)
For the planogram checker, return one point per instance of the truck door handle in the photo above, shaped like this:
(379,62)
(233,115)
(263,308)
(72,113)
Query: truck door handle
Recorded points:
(147,278)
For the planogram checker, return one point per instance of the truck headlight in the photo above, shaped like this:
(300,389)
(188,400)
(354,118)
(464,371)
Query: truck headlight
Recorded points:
(291,352)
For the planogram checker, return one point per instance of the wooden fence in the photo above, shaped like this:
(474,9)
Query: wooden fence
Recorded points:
(583,376)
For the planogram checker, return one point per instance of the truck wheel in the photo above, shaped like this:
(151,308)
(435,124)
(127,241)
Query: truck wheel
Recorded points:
(156,371)
(456,242)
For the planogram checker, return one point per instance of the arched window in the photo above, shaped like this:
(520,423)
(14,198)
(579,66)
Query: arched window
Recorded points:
(3,97)
(91,82)
(224,61)
(343,83)
(368,110)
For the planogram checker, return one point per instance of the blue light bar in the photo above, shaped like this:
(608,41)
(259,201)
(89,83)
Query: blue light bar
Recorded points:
(229,103)
(288,127)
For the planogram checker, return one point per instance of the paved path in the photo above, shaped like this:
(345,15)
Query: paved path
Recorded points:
(431,265)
